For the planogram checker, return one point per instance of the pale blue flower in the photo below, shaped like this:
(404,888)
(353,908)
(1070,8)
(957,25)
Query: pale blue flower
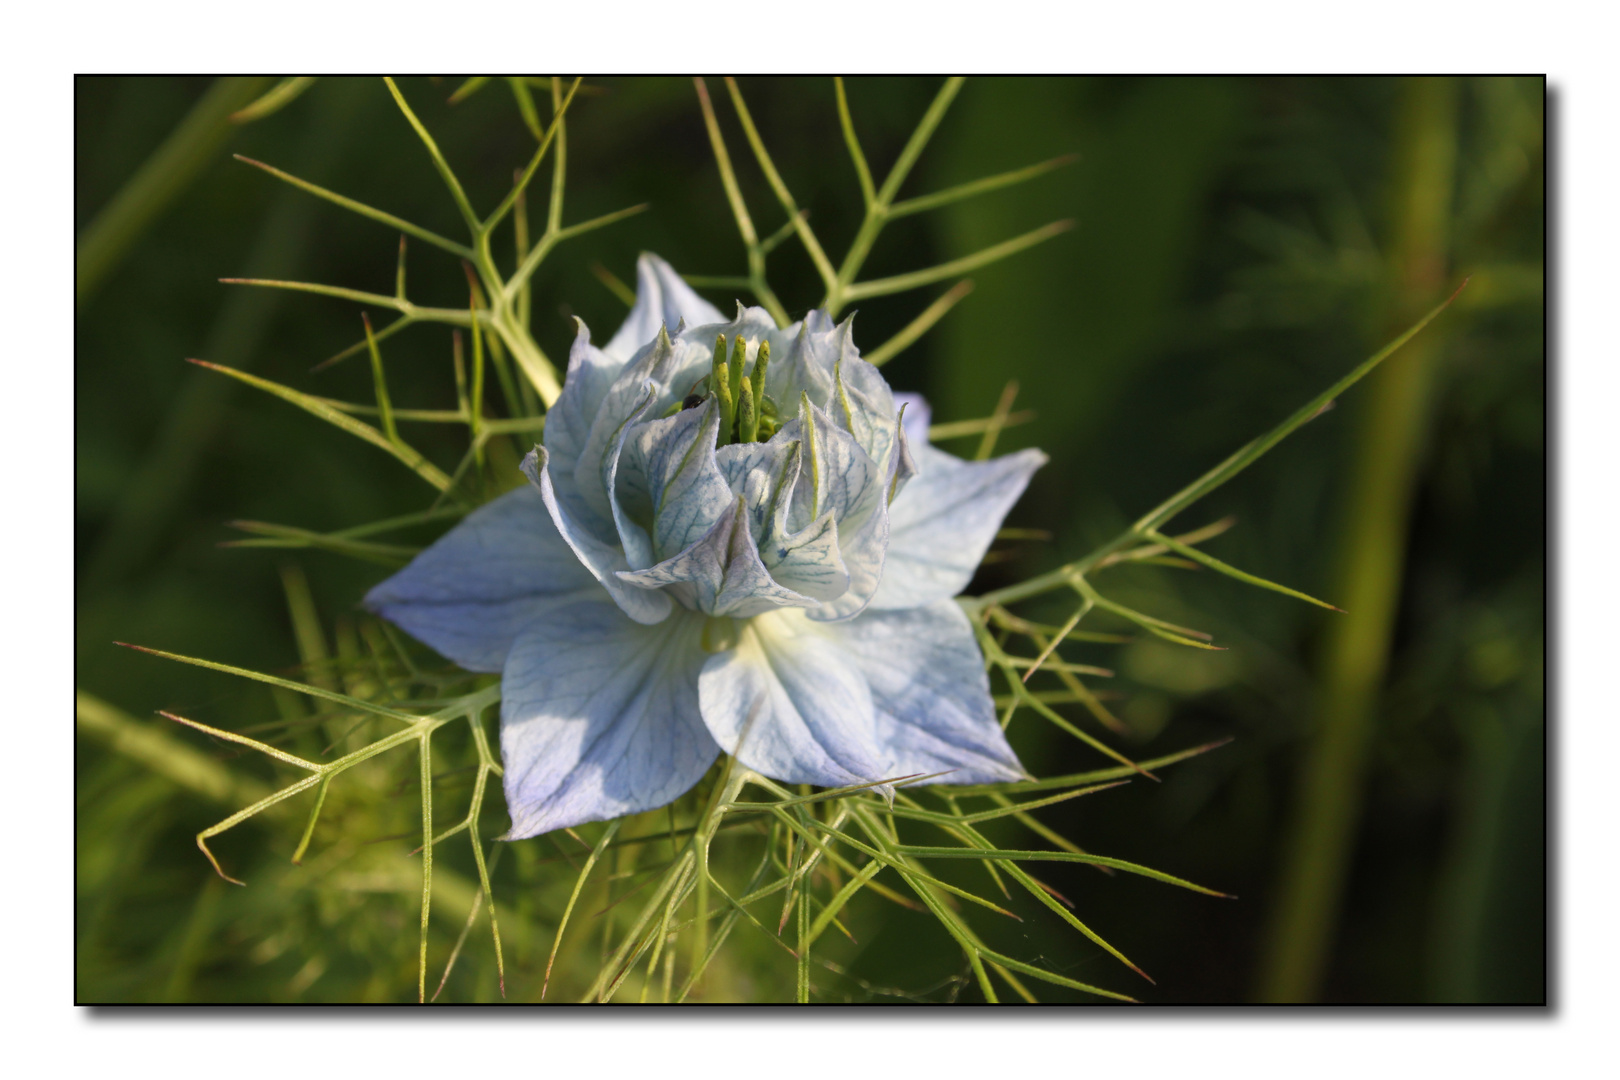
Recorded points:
(685,575)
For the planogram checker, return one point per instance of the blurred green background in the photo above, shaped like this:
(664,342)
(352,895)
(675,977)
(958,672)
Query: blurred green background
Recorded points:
(1239,244)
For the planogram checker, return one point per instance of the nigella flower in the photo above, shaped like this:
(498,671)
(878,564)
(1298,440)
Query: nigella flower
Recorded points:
(733,539)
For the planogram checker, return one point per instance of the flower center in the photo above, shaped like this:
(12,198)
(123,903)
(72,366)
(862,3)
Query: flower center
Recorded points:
(719,633)
(747,414)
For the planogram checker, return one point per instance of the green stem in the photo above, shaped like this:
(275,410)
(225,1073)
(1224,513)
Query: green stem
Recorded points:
(426,761)
(1388,451)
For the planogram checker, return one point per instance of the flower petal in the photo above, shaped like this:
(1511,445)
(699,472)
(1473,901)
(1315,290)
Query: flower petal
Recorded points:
(838,476)
(764,475)
(942,523)
(603,560)
(599,717)
(633,539)
(471,592)
(802,360)
(591,373)
(668,473)
(639,389)
(809,561)
(662,299)
(862,403)
(916,415)
(721,574)
(790,703)
(930,695)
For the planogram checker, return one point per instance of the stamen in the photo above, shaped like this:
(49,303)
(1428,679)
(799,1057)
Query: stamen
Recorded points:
(739,356)
(761,362)
(747,415)
(720,381)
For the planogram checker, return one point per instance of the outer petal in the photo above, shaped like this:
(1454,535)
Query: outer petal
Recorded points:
(601,559)
(942,523)
(662,299)
(930,695)
(599,717)
(790,703)
(633,539)
(633,395)
(470,593)
(591,373)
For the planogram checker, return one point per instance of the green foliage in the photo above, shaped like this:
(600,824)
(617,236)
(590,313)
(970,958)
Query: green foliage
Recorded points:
(647,906)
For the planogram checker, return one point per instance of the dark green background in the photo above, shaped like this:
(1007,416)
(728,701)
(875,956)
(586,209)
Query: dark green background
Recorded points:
(1229,261)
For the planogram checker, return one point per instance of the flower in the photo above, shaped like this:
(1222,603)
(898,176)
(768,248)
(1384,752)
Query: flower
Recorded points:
(734,538)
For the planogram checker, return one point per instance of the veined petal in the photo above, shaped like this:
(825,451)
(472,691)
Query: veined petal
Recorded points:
(601,559)
(804,362)
(791,704)
(930,695)
(636,392)
(835,474)
(862,403)
(471,592)
(668,473)
(864,555)
(599,717)
(764,474)
(915,416)
(633,539)
(662,299)
(809,561)
(838,476)
(591,373)
(943,522)
(721,574)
